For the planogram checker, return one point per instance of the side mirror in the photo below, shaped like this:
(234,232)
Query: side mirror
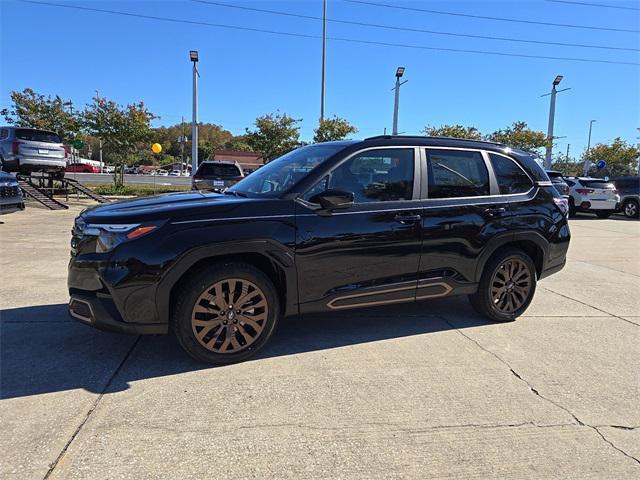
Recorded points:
(333,199)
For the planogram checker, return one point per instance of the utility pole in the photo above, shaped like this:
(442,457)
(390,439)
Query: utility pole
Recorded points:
(183,138)
(324,59)
(193,56)
(552,114)
(396,103)
(585,166)
(568,145)
(100,142)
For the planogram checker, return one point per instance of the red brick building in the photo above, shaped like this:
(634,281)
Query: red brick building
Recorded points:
(250,160)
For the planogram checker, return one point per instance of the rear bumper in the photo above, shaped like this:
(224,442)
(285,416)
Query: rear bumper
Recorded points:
(93,311)
(44,164)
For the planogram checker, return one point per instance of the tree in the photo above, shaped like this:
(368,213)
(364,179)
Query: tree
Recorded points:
(568,166)
(620,156)
(455,131)
(275,135)
(331,129)
(520,136)
(123,130)
(34,110)
(238,143)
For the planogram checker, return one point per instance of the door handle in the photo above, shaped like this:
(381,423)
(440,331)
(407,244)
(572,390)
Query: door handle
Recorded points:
(494,210)
(407,219)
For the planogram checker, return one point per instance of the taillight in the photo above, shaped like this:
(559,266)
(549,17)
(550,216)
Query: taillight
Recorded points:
(584,191)
(15,148)
(562,204)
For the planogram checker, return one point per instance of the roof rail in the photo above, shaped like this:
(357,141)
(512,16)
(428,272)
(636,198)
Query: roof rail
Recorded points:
(425,137)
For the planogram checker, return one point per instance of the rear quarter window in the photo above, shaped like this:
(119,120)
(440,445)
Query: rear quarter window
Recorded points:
(511,178)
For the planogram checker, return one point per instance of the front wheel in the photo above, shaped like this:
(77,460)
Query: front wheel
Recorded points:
(225,313)
(506,287)
(631,209)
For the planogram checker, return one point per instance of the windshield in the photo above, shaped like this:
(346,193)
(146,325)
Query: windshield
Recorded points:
(218,170)
(37,135)
(281,174)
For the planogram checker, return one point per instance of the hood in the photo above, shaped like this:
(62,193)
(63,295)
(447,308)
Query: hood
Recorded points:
(171,206)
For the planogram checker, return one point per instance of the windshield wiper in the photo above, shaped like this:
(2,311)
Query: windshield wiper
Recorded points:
(237,194)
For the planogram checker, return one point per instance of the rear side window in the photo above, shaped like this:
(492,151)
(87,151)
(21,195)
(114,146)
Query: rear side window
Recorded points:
(456,173)
(224,170)
(511,178)
(37,135)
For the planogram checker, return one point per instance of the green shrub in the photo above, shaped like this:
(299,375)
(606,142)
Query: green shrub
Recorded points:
(137,190)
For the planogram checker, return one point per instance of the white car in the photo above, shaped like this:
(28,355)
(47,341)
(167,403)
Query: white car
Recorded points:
(593,195)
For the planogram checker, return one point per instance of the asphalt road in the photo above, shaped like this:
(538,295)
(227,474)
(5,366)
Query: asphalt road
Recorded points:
(95,178)
(420,391)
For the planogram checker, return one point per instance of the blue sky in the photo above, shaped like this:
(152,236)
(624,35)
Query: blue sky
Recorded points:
(245,74)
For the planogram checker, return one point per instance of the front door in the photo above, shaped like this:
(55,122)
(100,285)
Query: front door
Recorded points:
(367,254)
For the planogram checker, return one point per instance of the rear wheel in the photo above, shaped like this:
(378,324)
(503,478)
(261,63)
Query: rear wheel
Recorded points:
(603,214)
(631,209)
(225,313)
(507,286)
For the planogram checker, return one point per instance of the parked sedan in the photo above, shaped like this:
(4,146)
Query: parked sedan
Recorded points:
(629,191)
(592,195)
(27,150)
(11,199)
(82,168)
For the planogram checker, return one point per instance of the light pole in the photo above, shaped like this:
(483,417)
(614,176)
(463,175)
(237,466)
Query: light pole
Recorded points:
(585,166)
(552,115)
(396,104)
(193,56)
(324,59)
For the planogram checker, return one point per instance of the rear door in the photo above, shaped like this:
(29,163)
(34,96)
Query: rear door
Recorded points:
(463,211)
(367,254)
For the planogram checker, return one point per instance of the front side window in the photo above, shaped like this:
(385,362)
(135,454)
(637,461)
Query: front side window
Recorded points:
(380,175)
(511,178)
(456,173)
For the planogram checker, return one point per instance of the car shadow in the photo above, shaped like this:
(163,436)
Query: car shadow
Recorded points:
(42,350)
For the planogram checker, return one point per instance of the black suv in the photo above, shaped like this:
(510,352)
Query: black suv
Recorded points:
(326,227)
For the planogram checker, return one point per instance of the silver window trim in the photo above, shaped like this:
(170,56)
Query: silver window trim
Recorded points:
(533,182)
(490,170)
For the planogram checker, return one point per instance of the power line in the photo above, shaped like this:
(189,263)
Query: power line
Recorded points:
(501,19)
(339,39)
(588,4)
(408,29)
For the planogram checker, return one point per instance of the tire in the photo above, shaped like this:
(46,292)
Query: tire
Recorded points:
(227,335)
(572,208)
(516,299)
(631,209)
(603,215)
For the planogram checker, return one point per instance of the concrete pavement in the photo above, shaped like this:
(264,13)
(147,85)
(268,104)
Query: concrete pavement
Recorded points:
(429,390)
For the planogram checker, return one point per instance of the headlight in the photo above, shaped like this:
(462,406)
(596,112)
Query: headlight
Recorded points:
(109,236)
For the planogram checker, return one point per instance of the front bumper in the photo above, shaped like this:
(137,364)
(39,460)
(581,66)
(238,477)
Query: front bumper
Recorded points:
(100,313)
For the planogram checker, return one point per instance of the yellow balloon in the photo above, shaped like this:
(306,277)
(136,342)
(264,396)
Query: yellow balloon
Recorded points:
(156,147)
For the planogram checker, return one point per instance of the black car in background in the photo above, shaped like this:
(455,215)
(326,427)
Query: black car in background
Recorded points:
(629,191)
(326,227)
(558,181)
(217,175)
(11,199)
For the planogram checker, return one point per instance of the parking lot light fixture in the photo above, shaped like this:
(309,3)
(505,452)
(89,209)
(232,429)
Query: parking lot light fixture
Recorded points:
(557,80)
(396,103)
(193,55)
(399,72)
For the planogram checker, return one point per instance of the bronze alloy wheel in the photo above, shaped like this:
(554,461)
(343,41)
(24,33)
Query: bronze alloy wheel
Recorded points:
(511,285)
(229,315)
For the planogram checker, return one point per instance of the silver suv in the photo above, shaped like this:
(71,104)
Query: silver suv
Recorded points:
(26,150)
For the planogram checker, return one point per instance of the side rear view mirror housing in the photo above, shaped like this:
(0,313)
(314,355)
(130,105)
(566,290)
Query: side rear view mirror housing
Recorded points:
(331,199)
